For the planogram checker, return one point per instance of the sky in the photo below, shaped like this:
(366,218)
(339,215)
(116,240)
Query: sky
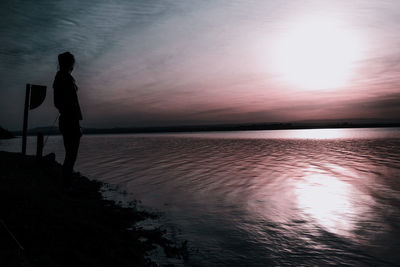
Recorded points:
(172,62)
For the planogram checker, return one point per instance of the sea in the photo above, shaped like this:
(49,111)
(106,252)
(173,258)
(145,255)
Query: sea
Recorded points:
(315,197)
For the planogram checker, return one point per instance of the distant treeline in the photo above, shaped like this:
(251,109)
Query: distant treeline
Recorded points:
(210,128)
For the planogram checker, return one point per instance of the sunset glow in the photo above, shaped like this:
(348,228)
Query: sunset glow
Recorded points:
(317,53)
(169,63)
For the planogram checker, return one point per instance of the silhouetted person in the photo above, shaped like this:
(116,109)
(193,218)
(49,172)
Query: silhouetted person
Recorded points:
(66,101)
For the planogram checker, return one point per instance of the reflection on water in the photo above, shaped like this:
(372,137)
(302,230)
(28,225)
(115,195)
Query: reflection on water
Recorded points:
(328,200)
(319,134)
(302,197)
(315,134)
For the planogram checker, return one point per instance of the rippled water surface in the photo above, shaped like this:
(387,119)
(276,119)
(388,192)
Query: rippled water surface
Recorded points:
(290,197)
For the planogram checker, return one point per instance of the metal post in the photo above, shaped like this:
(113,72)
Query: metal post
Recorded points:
(39,146)
(26,109)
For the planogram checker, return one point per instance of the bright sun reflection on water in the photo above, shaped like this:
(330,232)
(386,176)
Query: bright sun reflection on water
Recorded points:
(323,196)
(317,134)
(332,203)
(327,200)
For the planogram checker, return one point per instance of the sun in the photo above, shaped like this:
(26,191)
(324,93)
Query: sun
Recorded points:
(316,53)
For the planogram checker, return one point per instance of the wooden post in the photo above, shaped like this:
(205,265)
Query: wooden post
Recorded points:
(26,110)
(39,146)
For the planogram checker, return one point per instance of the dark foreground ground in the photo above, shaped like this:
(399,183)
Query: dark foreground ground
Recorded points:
(73,228)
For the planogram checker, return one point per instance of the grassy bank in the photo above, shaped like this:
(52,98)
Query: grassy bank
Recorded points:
(74,228)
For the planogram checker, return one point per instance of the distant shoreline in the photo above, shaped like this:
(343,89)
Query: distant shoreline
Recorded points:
(215,128)
(4,134)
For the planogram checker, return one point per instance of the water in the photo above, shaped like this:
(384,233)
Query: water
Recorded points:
(258,198)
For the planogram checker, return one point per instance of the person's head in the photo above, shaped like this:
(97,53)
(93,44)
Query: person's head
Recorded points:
(66,61)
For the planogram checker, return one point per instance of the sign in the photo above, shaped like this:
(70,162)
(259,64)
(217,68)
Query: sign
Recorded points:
(34,97)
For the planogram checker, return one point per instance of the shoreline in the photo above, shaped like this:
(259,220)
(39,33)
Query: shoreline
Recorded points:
(212,128)
(75,228)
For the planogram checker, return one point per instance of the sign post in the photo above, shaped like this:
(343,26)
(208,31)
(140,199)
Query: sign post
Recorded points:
(39,146)
(26,112)
(34,97)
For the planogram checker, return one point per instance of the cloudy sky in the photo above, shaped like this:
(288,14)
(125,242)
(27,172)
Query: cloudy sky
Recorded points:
(171,62)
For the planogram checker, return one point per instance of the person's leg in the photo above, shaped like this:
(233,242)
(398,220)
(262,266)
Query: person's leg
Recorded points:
(71,143)
(74,146)
(67,167)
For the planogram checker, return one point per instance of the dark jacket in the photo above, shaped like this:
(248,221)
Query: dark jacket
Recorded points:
(65,97)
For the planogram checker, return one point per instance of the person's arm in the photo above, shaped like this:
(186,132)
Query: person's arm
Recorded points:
(62,94)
